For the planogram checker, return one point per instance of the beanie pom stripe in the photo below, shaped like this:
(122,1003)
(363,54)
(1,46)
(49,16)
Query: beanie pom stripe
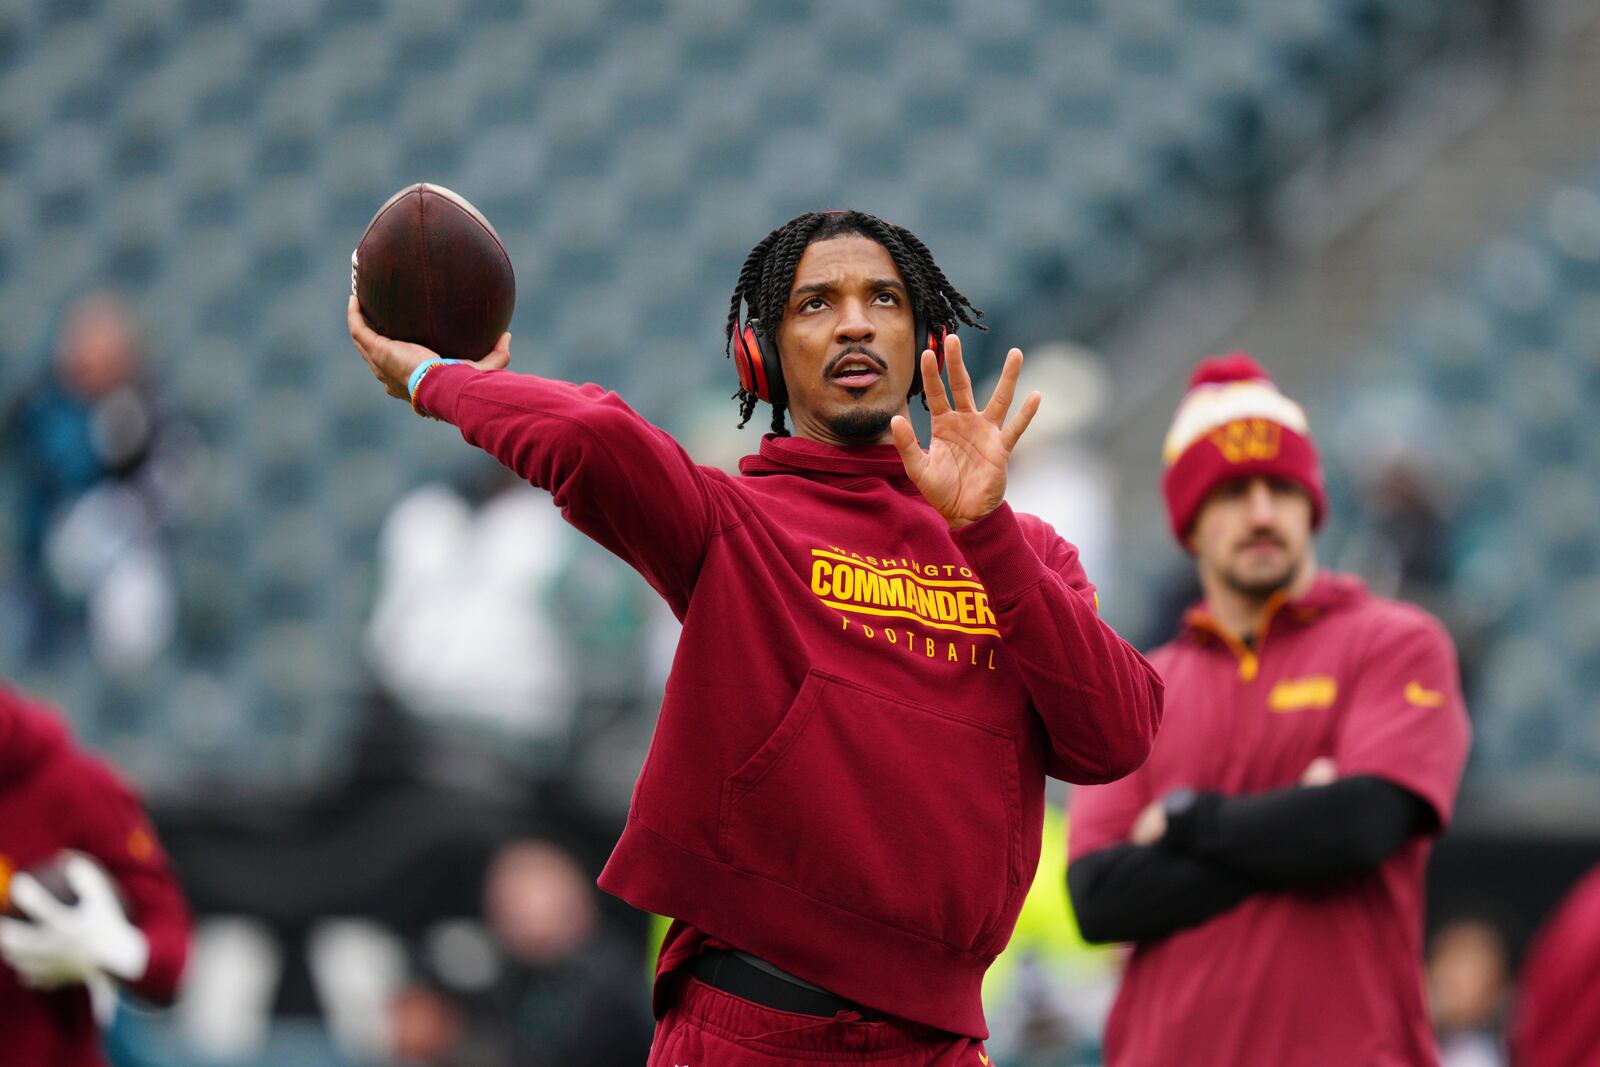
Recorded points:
(1234,423)
(1210,406)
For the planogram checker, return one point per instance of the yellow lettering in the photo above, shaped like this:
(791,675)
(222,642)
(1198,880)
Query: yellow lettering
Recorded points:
(964,607)
(991,659)
(914,591)
(951,657)
(930,648)
(869,631)
(980,602)
(890,634)
(974,655)
(819,576)
(843,582)
(1298,694)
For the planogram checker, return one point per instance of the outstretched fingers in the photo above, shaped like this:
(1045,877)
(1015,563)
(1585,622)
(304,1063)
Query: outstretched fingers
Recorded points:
(905,442)
(960,381)
(1005,389)
(1019,422)
(933,385)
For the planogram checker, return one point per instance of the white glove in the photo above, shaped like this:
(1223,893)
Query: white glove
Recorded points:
(68,944)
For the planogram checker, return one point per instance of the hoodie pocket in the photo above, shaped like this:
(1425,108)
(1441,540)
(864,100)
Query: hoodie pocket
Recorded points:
(885,807)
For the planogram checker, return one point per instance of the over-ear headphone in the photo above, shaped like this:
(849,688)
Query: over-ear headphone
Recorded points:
(755,357)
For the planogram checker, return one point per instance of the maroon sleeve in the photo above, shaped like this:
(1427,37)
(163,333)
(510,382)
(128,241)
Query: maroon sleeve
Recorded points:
(1405,720)
(617,478)
(1103,815)
(1099,700)
(113,828)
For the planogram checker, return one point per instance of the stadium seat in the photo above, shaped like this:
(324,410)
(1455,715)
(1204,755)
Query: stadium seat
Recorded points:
(218,160)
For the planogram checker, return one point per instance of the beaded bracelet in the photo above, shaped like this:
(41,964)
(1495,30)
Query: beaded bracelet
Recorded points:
(416,378)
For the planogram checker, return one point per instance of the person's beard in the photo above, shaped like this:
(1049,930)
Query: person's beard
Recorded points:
(1261,586)
(861,426)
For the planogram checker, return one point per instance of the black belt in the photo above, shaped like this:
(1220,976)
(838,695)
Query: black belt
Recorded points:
(727,971)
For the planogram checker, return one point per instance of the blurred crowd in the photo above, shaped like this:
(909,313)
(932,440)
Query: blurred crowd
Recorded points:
(100,461)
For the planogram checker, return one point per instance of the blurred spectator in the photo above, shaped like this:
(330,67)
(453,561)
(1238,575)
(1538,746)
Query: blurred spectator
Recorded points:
(100,465)
(428,1028)
(1468,972)
(571,991)
(1283,815)
(1557,1019)
(1405,540)
(459,631)
(1403,548)
(492,614)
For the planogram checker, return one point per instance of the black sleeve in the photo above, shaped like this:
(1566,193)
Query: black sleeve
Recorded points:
(1303,834)
(1139,893)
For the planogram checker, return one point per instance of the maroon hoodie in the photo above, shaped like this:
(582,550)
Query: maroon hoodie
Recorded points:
(54,797)
(847,778)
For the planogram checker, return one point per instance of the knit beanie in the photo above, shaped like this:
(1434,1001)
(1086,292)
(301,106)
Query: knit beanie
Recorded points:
(1234,423)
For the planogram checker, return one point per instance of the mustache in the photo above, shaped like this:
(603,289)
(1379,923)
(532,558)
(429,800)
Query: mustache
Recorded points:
(1262,537)
(856,350)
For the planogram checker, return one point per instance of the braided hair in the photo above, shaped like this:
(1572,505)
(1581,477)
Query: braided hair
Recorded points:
(768,276)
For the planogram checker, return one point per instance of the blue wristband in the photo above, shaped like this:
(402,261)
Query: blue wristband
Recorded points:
(423,368)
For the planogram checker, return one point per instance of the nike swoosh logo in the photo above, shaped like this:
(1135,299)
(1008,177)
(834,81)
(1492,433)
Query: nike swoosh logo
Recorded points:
(1423,698)
(983,1059)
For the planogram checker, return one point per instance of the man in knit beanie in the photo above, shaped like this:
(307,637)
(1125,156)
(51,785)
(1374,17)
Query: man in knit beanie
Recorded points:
(1267,861)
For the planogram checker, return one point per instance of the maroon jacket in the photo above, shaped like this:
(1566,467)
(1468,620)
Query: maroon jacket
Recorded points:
(847,778)
(53,797)
(1324,975)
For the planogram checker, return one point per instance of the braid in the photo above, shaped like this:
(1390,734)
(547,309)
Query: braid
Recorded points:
(768,275)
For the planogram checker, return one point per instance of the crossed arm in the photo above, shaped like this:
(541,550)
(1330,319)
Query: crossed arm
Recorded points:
(1224,849)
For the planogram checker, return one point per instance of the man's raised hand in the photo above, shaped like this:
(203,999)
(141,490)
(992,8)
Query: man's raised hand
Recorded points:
(392,362)
(963,472)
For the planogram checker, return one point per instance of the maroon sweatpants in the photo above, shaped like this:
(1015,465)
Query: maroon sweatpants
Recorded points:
(705,1027)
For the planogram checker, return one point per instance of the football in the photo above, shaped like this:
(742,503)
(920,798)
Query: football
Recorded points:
(430,269)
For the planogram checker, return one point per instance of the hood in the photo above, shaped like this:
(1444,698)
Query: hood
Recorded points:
(808,458)
(30,734)
(1329,592)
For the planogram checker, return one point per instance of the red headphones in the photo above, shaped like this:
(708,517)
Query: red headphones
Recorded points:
(755,356)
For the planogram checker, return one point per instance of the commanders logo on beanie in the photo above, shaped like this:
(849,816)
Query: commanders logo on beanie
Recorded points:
(1233,423)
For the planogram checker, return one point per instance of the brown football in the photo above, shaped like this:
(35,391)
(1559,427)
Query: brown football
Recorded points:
(431,270)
